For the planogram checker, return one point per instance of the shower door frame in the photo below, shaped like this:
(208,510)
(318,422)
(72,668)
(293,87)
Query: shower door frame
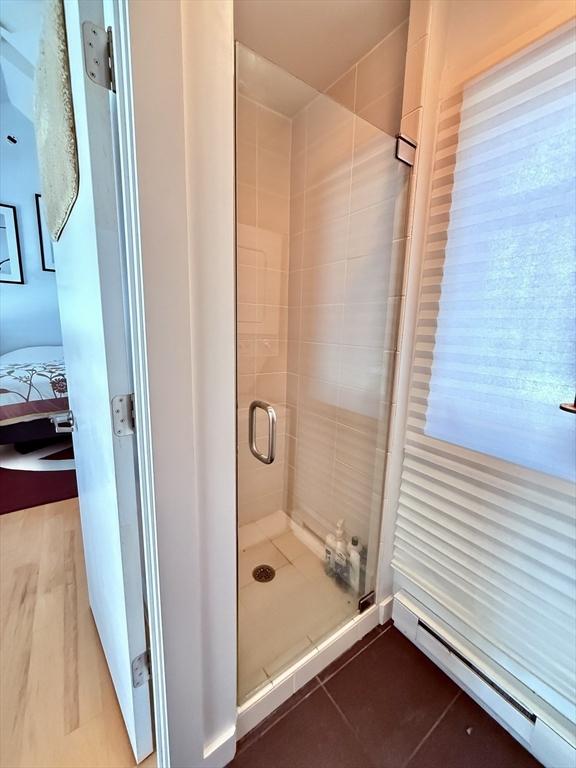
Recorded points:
(271,695)
(175,178)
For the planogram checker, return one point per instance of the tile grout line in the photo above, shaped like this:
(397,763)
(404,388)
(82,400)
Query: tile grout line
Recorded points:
(378,636)
(431,730)
(319,684)
(281,717)
(344,718)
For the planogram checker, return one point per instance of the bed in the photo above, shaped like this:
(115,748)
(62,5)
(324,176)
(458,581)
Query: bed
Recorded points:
(33,388)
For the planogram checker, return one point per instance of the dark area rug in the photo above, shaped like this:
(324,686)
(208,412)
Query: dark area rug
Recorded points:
(20,489)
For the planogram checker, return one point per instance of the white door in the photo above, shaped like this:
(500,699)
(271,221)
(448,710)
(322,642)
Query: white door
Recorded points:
(91,290)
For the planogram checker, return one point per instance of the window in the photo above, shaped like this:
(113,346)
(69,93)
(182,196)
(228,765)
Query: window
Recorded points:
(497,319)
(481,537)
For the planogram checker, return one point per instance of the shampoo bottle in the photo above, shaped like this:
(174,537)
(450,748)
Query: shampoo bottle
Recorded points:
(341,554)
(354,565)
(330,554)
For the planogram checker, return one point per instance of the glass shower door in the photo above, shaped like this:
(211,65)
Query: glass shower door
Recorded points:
(320,245)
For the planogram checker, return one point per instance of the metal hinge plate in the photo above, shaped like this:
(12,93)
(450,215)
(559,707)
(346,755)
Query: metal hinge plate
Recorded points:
(123,415)
(366,601)
(99,55)
(140,670)
(405,150)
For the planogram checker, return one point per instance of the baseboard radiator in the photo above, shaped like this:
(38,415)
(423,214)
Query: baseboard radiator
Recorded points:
(549,738)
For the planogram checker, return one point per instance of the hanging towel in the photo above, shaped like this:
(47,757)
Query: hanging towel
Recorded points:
(54,122)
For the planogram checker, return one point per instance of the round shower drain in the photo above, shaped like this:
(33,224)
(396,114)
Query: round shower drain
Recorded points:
(263,573)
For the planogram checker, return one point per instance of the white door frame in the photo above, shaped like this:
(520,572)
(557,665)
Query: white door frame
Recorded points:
(175,102)
(116,15)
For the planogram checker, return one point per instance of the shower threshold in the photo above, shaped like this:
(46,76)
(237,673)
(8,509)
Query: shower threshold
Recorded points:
(278,689)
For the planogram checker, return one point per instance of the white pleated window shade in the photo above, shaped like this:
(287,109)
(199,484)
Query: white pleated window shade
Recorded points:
(486,519)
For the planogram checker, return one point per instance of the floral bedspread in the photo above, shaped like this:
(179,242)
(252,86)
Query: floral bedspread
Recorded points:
(32,384)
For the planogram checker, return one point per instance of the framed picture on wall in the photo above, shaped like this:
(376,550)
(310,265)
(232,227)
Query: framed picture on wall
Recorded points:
(46,252)
(10,256)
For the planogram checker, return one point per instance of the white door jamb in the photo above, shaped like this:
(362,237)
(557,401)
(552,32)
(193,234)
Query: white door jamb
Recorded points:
(117,16)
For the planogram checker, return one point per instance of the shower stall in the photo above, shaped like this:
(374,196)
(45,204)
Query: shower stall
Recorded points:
(321,209)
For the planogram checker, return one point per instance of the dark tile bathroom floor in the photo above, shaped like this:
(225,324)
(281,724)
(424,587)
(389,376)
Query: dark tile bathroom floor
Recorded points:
(382,704)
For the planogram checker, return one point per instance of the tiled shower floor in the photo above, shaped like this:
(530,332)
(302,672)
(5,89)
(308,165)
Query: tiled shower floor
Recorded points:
(283,619)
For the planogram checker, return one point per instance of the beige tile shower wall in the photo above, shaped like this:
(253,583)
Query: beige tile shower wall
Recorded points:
(263,211)
(373,87)
(346,256)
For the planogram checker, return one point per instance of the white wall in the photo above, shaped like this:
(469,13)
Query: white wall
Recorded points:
(479,33)
(28,313)
(186,181)
(424,63)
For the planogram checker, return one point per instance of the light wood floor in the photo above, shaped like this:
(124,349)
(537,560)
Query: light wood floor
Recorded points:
(58,708)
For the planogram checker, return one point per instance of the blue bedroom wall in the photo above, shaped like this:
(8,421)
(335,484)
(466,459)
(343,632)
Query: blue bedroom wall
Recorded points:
(28,313)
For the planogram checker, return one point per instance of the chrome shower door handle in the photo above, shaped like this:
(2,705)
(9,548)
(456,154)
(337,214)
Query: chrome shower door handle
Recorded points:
(265,458)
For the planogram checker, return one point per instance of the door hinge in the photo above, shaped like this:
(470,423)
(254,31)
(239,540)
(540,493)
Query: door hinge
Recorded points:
(140,669)
(99,55)
(405,150)
(123,420)
(366,601)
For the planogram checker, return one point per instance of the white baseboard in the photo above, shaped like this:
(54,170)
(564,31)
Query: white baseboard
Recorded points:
(385,609)
(461,661)
(282,687)
(220,751)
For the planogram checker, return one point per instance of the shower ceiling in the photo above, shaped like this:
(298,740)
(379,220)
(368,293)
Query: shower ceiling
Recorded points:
(264,82)
(316,40)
